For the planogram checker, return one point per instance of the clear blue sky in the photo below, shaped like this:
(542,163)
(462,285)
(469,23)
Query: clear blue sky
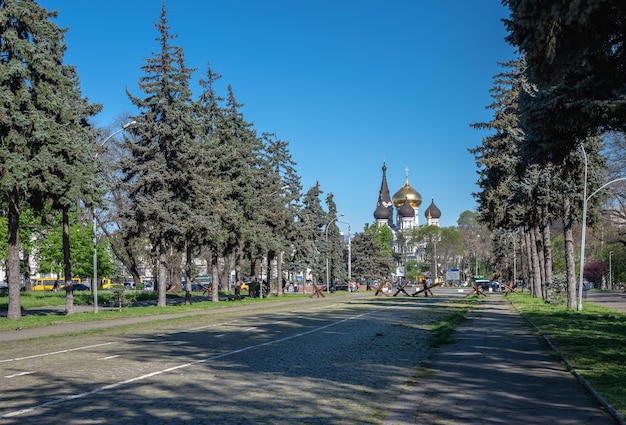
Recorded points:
(348,83)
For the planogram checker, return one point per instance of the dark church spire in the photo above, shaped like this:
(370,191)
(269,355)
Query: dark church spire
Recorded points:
(384,201)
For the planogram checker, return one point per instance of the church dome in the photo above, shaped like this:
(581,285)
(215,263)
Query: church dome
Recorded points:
(432,211)
(382,213)
(406,210)
(407,193)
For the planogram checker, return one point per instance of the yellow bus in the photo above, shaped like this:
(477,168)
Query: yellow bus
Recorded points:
(48,283)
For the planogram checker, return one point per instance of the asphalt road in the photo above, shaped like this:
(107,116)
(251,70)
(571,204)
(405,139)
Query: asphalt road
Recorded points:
(337,360)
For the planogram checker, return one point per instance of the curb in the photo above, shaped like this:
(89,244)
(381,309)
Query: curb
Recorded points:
(615,414)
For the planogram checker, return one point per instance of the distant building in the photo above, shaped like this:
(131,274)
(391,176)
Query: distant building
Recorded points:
(405,204)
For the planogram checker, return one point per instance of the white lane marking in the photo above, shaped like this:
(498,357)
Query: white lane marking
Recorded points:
(173,368)
(109,357)
(19,374)
(314,308)
(16,359)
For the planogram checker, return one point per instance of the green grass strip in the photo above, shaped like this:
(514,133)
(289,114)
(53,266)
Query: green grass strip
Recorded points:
(592,340)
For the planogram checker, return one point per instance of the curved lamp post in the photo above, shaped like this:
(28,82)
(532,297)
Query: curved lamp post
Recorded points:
(95,242)
(349,254)
(328,251)
(584,226)
(611,270)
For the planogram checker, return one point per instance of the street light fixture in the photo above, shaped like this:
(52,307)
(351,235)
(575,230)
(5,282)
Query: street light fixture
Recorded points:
(94,284)
(328,251)
(584,226)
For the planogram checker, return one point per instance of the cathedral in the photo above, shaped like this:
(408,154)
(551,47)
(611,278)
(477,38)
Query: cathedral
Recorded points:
(407,202)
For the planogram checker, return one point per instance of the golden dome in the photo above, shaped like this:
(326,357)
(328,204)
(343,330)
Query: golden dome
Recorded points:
(409,194)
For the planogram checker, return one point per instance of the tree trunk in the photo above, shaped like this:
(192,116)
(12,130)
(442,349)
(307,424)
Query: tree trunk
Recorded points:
(67,263)
(125,245)
(27,271)
(162,301)
(570,263)
(238,256)
(547,247)
(224,271)
(529,261)
(188,277)
(536,264)
(540,261)
(13,258)
(279,273)
(215,288)
(271,255)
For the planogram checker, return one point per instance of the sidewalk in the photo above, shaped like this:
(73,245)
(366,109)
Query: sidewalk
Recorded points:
(496,373)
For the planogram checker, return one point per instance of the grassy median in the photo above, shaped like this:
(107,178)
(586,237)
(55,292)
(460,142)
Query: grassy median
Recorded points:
(593,340)
(41,300)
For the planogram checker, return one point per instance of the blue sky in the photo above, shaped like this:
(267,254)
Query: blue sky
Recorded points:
(348,83)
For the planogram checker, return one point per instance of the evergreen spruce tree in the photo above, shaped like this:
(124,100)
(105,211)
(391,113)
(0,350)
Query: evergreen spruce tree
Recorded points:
(42,134)
(310,228)
(498,156)
(68,171)
(162,155)
(337,266)
(280,211)
(372,257)
(576,59)
(242,169)
(214,172)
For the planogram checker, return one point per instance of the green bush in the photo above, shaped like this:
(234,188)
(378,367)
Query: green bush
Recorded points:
(118,298)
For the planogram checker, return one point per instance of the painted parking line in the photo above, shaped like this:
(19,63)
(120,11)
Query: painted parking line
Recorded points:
(54,353)
(19,374)
(109,357)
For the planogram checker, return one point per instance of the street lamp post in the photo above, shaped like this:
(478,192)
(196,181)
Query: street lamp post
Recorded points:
(349,254)
(611,270)
(94,284)
(435,263)
(514,263)
(584,226)
(476,267)
(328,252)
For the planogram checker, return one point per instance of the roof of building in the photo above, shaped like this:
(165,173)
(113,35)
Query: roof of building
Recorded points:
(406,210)
(407,193)
(432,211)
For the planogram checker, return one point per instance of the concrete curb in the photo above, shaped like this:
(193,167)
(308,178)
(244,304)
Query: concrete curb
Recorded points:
(603,402)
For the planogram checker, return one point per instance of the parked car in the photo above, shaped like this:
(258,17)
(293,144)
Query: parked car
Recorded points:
(489,285)
(341,286)
(80,287)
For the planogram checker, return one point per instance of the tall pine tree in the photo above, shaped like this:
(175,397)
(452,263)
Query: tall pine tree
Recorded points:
(162,156)
(42,133)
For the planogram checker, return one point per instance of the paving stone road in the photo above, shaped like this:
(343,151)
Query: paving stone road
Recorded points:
(337,360)
(354,359)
